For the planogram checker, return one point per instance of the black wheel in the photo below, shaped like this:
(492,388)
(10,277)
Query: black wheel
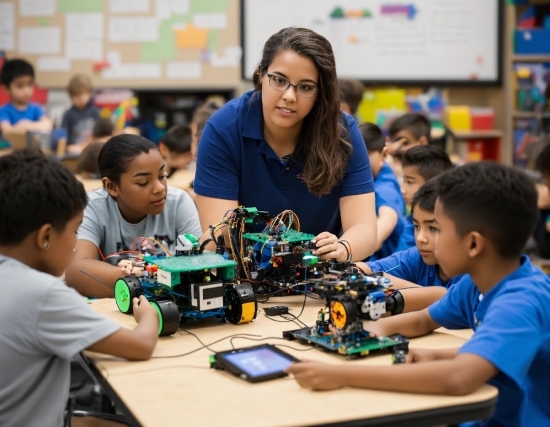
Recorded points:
(169,316)
(241,300)
(126,289)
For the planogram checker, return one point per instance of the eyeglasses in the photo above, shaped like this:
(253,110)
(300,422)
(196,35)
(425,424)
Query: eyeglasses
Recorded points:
(282,84)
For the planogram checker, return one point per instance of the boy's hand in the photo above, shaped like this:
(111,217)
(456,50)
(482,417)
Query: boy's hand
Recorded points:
(143,308)
(127,266)
(315,375)
(421,355)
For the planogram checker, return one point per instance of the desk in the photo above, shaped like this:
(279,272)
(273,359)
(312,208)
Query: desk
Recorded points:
(183,391)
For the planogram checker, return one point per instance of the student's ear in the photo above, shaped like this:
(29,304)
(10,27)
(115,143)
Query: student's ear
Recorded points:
(43,236)
(423,141)
(476,244)
(384,153)
(110,187)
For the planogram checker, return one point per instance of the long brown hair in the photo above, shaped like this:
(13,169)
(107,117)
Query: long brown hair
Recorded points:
(323,143)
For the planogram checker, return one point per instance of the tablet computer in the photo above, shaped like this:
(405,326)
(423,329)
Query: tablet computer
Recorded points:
(254,364)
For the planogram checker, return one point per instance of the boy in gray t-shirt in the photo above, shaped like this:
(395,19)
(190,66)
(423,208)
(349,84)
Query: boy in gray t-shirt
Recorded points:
(135,202)
(45,323)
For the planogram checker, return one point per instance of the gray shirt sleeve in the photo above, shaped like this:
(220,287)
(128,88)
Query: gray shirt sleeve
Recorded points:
(90,229)
(187,216)
(67,325)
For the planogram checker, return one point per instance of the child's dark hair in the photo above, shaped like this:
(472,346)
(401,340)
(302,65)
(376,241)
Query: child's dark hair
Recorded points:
(373,137)
(417,124)
(426,196)
(178,139)
(87,162)
(430,160)
(36,190)
(117,153)
(13,69)
(543,160)
(351,92)
(495,200)
(103,128)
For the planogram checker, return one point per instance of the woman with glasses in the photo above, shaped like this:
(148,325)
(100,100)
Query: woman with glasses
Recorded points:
(287,145)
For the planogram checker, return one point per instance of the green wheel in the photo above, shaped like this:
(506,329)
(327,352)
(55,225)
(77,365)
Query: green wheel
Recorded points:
(126,289)
(169,316)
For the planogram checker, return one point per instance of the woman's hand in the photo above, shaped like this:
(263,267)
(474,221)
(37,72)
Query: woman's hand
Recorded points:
(328,247)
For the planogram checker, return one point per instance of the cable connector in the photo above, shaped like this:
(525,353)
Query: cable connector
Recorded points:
(276,310)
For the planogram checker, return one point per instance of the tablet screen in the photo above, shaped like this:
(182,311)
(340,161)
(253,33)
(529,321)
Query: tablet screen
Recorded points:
(259,361)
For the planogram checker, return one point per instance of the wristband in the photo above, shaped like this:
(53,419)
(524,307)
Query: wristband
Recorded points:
(395,304)
(348,255)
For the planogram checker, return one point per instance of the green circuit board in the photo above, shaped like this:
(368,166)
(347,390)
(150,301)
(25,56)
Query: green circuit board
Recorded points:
(182,264)
(288,236)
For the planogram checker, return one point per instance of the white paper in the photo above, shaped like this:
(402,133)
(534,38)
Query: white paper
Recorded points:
(129,6)
(84,35)
(53,63)
(164,9)
(39,40)
(183,70)
(39,8)
(132,30)
(210,20)
(231,57)
(7,26)
(119,71)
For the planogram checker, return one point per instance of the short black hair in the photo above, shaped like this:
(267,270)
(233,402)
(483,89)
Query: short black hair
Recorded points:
(14,68)
(426,196)
(117,153)
(351,92)
(373,137)
(178,139)
(543,160)
(495,200)
(417,124)
(102,128)
(87,162)
(429,159)
(36,190)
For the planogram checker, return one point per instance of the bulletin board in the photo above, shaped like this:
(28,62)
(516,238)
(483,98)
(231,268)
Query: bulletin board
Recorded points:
(126,43)
(386,41)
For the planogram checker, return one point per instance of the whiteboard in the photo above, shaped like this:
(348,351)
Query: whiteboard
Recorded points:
(377,41)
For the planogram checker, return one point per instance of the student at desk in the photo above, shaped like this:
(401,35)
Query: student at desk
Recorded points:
(45,323)
(484,214)
(135,201)
(20,114)
(287,145)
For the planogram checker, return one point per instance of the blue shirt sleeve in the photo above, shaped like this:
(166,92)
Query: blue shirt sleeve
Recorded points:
(455,309)
(36,112)
(401,264)
(4,116)
(358,177)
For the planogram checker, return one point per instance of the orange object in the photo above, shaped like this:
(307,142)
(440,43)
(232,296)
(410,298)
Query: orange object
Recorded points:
(191,36)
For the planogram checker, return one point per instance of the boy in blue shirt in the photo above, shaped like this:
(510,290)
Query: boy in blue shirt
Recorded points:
(388,200)
(484,214)
(17,79)
(420,163)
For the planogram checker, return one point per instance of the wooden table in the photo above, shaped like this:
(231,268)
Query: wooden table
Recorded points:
(184,391)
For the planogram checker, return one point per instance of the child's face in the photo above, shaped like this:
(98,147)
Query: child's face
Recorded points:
(376,159)
(451,250)
(21,90)
(425,234)
(402,141)
(194,140)
(412,181)
(177,160)
(62,246)
(142,188)
(81,99)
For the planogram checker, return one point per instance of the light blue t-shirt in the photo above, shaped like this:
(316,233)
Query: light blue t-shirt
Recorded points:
(406,240)
(512,332)
(387,193)
(8,113)
(409,265)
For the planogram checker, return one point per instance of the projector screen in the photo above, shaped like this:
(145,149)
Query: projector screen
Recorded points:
(376,41)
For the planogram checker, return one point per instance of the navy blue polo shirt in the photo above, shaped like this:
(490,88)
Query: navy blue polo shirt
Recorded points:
(236,163)
(512,332)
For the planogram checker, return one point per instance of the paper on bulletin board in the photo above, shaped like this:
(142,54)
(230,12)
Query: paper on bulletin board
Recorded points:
(118,70)
(7,26)
(164,9)
(129,6)
(191,36)
(162,50)
(40,40)
(183,70)
(134,29)
(53,64)
(231,57)
(80,6)
(38,8)
(210,20)
(84,35)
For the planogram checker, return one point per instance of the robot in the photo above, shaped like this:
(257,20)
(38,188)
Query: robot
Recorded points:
(187,287)
(352,297)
